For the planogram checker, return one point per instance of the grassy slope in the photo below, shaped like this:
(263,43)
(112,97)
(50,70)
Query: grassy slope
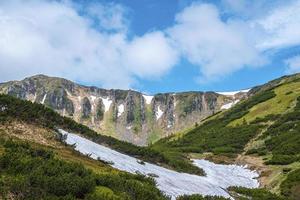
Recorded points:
(103,181)
(267,124)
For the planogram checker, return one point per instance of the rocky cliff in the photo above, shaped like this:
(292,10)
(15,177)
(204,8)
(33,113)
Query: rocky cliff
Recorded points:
(124,114)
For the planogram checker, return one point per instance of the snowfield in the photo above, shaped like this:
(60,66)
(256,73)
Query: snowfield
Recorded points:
(173,183)
(233,92)
(148,99)
(229,105)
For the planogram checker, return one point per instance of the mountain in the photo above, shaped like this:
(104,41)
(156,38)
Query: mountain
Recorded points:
(262,132)
(124,114)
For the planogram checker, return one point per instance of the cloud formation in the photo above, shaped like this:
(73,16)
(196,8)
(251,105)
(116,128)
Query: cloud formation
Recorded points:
(91,43)
(218,47)
(293,64)
(53,38)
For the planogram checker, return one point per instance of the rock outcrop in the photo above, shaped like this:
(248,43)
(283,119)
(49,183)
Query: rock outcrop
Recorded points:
(125,114)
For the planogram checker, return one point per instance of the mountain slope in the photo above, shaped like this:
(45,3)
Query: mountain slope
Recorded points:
(12,108)
(35,165)
(264,127)
(124,114)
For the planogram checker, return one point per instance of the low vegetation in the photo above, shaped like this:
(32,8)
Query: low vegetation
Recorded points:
(28,172)
(200,197)
(241,193)
(275,130)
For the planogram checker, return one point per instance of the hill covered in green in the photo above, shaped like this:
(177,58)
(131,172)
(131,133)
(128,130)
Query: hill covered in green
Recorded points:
(266,125)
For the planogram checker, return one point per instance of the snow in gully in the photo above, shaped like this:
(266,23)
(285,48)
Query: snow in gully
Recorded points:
(218,177)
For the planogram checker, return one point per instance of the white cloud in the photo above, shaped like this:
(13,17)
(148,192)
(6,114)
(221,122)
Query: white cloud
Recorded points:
(110,17)
(53,38)
(293,64)
(90,44)
(150,55)
(218,48)
(281,26)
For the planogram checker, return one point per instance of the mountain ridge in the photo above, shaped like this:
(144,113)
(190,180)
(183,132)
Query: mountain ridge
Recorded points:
(124,114)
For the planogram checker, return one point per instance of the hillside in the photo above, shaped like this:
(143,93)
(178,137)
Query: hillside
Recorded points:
(35,165)
(262,131)
(123,114)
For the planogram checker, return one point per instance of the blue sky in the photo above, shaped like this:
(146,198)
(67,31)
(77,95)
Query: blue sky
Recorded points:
(150,45)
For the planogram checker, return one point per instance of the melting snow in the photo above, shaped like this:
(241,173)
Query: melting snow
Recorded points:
(148,98)
(44,98)
(107,102)
(233,92)
(120,110)
(93,98)
(229,105)
(218,178)
(159,113)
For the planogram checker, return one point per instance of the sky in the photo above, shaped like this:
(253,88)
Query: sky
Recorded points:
(151,46)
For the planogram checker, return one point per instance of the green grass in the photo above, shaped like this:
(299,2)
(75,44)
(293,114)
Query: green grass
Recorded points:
(33,171)
(283,102)
(265,135)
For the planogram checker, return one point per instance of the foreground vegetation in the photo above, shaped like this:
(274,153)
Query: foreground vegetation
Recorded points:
(27,172)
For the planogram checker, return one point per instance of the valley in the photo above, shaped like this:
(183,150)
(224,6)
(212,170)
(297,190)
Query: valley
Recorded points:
(217,177)
(187,164)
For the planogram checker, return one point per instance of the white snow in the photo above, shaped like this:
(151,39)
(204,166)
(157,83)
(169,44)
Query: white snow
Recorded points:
(233,92)
(148,98)
(229,105)
(3,108)
(93,98)
(159,113)
(121,109)
(44,98)
(218,178)
(107,102)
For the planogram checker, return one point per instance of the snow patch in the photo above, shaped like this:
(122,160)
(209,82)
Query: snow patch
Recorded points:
(93,98)
(233,92)
(44,98)
(107,102)
(3,108)
(229,105)
(159,113)
(219,177)
(121,109)
(148,98)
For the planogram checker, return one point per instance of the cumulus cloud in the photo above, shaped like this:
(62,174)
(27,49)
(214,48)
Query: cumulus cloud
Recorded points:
(51,37)
(150,55)
(218,48)
(281,26)
(90,43)
(293,64)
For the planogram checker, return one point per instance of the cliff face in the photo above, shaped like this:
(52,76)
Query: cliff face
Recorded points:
(125,114)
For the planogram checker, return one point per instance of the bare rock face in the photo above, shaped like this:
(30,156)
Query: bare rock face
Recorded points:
(125,114)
